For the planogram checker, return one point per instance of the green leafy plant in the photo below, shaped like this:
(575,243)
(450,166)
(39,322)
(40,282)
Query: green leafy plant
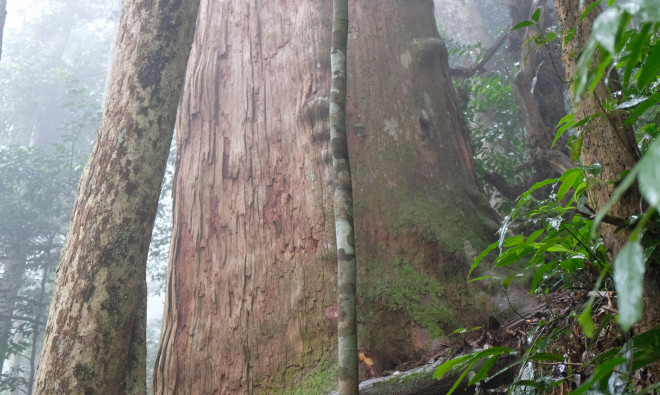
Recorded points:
(561,247)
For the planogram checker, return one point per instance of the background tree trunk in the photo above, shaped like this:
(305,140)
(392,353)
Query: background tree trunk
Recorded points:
(420,216)
(14,266)
(95,336)
(539,93)
(250,303)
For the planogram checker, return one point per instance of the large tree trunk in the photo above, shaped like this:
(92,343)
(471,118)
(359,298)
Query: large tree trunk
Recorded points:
(250,303)
(95,336)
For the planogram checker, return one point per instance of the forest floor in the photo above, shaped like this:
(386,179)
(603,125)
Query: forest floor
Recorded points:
(547,328)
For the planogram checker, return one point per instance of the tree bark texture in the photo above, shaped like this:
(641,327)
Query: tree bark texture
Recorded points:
(95,335)
(251,301)
(420,216)
(539,93)
(606,140)
(343,207)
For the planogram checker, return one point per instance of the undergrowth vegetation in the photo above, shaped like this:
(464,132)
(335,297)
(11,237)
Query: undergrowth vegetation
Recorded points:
(590,347)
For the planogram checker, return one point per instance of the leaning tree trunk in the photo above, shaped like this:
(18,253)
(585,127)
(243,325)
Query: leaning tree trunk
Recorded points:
(95,336)
(251,302)
(343,207)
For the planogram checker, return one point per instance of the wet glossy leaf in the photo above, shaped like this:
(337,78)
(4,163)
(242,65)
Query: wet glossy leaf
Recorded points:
(649,175)
(628,280)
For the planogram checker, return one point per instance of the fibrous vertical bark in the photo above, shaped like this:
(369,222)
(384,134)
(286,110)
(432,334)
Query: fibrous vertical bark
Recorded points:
(251,303)
(252,278)
(95,336)
(343,206)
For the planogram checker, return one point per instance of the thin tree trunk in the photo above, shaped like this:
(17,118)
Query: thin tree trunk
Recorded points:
(95,335)
(36,331)
(10,283)
(3,16)
(343,206)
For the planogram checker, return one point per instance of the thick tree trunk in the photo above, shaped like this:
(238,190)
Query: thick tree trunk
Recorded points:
(419,215)
(95,336)
(252,259)
(251,302)
(606,140)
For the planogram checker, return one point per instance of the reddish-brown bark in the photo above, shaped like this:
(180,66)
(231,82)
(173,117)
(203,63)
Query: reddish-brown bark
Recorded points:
(251,285)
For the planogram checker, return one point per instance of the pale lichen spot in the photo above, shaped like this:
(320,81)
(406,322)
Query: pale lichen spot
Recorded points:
(122,136)
(391,127)
(406,58)
(427,99)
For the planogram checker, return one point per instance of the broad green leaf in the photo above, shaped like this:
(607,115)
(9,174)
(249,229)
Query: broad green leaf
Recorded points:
(606,28)
(649,174)
(634,101)
(536,14)
(585,320)
(523,24)
(646,348)
(513,241)
(645,10)
(449,365)
(650,69)
(485,369)
(568,180)
(535,235)
(588,10)
(629,269)
(564,124)
(569,35)
(482,255)
(600,372)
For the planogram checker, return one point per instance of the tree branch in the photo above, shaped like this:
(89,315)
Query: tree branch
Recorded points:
(472,70)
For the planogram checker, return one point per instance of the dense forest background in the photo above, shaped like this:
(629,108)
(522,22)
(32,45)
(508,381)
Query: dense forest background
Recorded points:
(484,147)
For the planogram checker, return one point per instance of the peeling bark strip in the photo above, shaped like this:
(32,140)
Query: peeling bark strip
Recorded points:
(343,206)
(95,336)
